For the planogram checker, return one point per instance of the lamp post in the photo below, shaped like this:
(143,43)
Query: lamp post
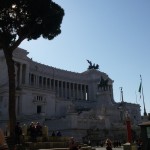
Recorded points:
(125,113)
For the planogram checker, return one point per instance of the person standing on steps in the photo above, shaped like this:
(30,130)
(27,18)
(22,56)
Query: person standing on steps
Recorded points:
(108,144)
(73,144)
(18,133)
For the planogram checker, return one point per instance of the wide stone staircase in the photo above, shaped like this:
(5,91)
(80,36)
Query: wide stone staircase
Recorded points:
(48,143)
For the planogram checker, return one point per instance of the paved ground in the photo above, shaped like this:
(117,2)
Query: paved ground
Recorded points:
(97,148)
(104,148)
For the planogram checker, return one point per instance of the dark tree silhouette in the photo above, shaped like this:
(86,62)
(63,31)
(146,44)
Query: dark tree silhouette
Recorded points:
(25,19)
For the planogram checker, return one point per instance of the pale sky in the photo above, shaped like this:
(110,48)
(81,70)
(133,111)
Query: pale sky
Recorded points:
(112,33)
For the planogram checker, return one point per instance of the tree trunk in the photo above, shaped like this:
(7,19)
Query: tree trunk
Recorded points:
(12,90)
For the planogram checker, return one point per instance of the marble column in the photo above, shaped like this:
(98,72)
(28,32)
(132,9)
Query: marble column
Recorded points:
(84,93)
(37,81)
(66,89)
(69,90)
(20,74)
(80,91)
(49,83)
(77,91)
(27,80)
(87,93)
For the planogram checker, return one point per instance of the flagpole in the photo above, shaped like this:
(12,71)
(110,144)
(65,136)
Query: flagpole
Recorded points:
(145,114)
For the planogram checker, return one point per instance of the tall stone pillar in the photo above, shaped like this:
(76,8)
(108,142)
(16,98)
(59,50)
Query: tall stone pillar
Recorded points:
(46,84)
(49,83)
(57,88)
(65,89)
(61,89)
(20,74)
(34,80)
(78,94)
(87,92)
(27,80)
(84,92)
(73,91)
(69,90)
(37,81)
(54,84)
(42,81)
(81,92)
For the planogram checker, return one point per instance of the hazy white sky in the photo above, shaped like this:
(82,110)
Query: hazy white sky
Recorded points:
(112,33)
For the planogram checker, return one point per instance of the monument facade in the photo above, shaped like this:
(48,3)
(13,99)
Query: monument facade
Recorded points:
(70,102)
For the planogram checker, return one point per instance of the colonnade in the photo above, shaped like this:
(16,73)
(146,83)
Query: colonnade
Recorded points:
(105,88)
(63,89)
(21,71)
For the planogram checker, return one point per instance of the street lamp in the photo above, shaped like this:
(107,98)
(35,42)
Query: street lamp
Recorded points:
(125,116)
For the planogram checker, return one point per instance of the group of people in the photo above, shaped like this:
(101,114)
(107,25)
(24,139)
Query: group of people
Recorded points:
(58,133)
(35,130)
(108,144)
(116,143)
(73,144)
